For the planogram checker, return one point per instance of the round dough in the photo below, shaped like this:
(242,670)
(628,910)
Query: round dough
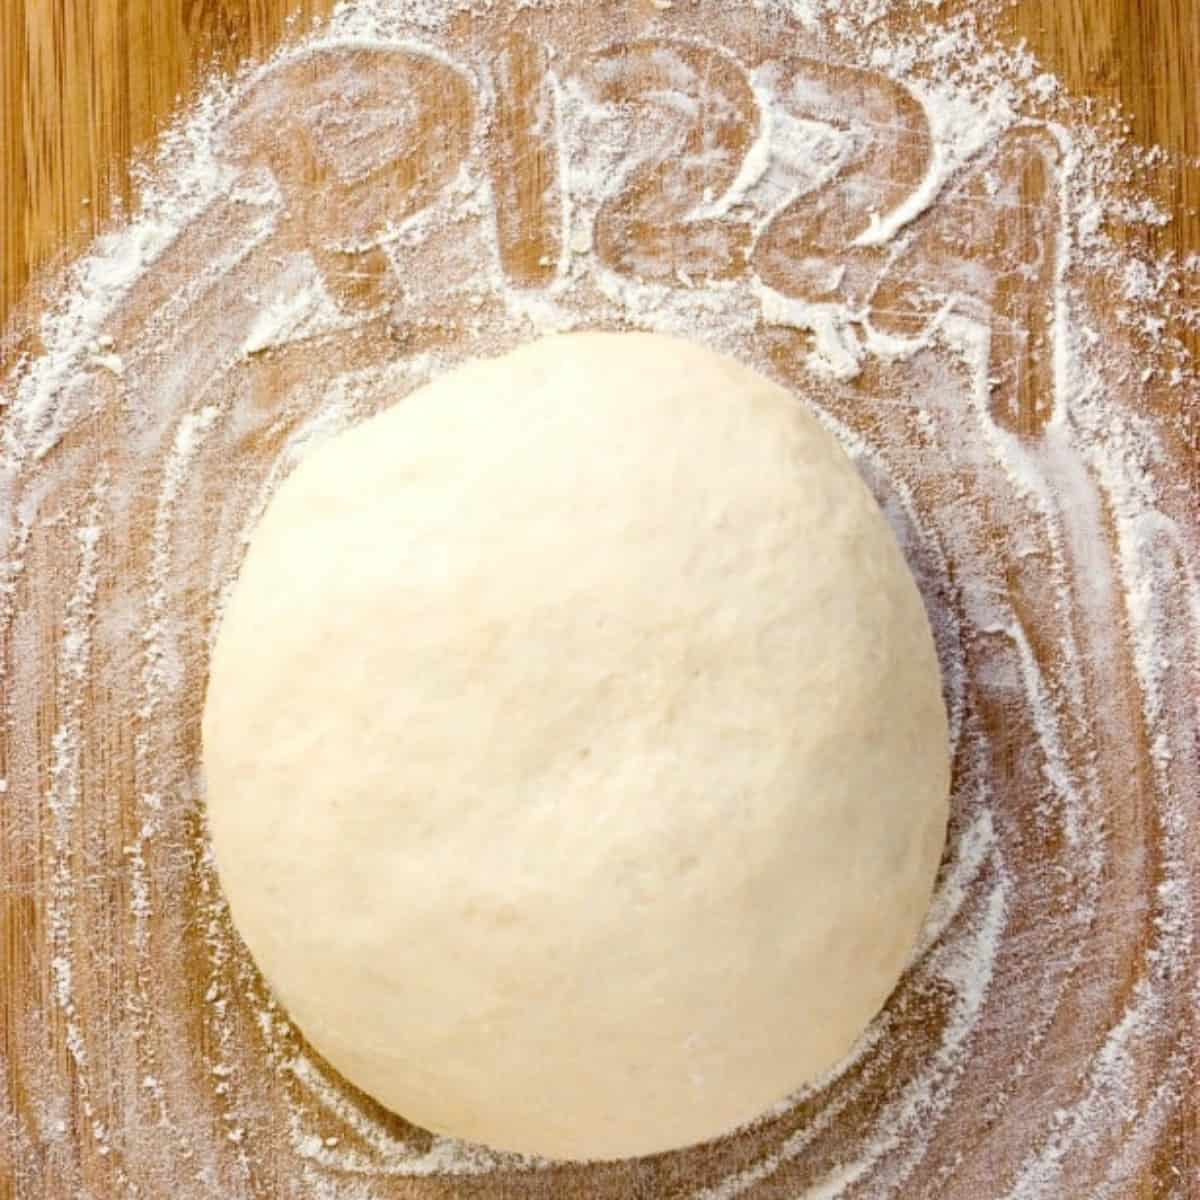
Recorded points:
(576,755)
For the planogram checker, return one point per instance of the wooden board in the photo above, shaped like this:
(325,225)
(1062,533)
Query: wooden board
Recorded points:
(85,85)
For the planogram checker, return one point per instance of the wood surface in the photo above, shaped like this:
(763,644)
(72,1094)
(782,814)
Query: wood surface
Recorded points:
(85,85)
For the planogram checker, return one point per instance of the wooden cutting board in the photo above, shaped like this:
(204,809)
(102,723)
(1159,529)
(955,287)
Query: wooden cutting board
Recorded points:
(85,85)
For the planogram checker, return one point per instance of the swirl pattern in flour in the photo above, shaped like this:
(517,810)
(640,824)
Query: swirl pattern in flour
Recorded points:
(406,190)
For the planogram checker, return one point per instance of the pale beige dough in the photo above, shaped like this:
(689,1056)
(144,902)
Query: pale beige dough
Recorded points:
(575,749)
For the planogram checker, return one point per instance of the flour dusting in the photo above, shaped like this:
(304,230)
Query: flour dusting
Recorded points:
(907,224)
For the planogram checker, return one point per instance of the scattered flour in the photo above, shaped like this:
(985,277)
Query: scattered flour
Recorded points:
(919,239)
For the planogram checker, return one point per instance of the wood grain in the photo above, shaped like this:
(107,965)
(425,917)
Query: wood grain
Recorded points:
(85,86)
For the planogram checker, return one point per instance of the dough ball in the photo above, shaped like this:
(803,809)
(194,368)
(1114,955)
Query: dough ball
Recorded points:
(576,755)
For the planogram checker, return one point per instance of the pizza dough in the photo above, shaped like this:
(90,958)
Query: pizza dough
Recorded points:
(575,749)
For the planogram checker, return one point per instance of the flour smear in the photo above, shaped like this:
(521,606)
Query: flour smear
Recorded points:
(902,221)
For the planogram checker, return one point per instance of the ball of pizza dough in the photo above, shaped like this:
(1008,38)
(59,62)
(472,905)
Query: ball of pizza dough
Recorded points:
(575,749)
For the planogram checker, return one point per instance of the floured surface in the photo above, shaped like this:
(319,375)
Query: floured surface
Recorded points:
(409,189)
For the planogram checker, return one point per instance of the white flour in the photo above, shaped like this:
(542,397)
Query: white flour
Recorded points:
(918,241)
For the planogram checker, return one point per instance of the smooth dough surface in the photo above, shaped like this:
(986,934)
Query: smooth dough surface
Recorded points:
(575,749)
